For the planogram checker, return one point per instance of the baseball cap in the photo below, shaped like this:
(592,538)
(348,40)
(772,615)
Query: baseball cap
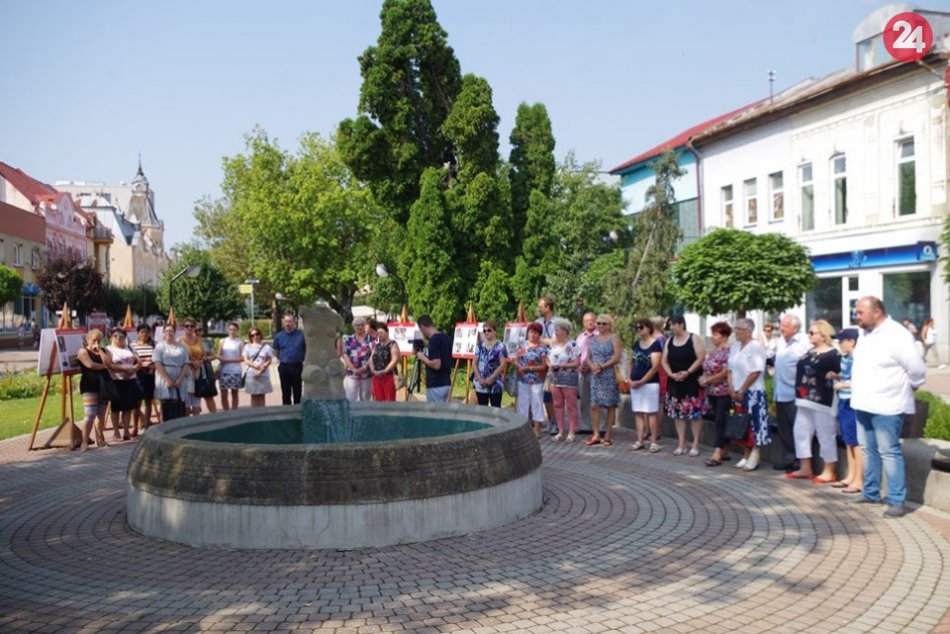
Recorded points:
(847,333)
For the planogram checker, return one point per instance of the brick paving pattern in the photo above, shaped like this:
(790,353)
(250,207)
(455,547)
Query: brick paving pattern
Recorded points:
(625,542)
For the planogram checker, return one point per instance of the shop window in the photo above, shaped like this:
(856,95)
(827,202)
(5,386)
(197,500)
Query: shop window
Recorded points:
(907,296)
(777,196)
(808,196)
(906,177)
(751,202)
(839,170)
(824,302)
(728,212)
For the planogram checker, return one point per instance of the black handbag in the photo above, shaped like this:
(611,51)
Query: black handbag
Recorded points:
(737,422)
(108,390)
(205,383)
(173,407)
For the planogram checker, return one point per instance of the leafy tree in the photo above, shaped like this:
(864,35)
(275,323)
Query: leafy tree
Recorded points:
(219,230)
(68,279)
(945,241)
(209,295)
(541,253)
(410,81)
(11,285)
(532,161)
(305,222)
(432,281)
(647,286)
(731,270)
(143,300)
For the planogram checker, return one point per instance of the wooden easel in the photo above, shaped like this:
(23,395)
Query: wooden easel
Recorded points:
(470,317)
(404,359)
(65,414)
(520,317)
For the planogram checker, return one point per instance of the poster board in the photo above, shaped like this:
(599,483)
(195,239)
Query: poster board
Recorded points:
(516,333)
(466,338)
(69,342)
(158,334)
(46,364)
(100,321)
(403,332)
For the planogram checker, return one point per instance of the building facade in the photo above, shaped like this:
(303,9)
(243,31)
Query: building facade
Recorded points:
(22,245)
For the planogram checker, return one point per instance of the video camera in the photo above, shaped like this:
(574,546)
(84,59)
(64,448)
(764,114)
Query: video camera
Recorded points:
(418,345)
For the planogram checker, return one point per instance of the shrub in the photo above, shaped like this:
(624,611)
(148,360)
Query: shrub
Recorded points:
(26,384)
(938,416)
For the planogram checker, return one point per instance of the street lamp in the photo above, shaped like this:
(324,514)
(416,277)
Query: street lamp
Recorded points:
(192,270)
(252,281)
(382,271)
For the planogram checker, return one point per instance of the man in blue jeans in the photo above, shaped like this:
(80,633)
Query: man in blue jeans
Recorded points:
(886,371)
(438,361)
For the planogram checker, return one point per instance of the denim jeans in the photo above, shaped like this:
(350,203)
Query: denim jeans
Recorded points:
(879,436)
(438,394)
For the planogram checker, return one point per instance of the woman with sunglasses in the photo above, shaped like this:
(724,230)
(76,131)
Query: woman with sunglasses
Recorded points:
(93,361)
(123,369)
(199,358)
(171,371)
(814,397)
(258,357)
(384,359)
(491,359)
(645,385)
(603,354)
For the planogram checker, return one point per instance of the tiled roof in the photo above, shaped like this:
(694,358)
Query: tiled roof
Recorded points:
(35,191)
(680,139)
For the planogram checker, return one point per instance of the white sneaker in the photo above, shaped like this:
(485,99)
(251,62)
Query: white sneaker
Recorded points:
(740,464)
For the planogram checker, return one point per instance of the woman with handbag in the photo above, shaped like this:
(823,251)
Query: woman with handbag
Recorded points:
(603,354)
(715,381)
(383,361)
(683,357)
(199,358)
(815,407)
(645,385)
(564,359)
(143,350)
(231,356)
(123,368)
(258,357)
(93,366)
(172,374)
(491,359)
(747,389)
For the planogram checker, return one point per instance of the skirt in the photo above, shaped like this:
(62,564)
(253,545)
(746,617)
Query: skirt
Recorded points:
(229,382)
(255,385)
(646,398)
(129,396)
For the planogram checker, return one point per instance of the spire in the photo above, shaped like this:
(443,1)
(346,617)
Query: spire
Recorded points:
(140,172)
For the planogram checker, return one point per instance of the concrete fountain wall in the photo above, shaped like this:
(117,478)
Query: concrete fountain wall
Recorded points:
(336,495)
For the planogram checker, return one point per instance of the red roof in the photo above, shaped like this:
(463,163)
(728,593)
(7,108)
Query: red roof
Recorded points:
(35,191)
(680,139)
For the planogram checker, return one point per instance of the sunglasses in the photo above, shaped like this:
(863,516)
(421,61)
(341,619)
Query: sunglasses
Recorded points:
(189,326)
(813,332)
(253,334)
(603,323)
(641,327)
(488,330)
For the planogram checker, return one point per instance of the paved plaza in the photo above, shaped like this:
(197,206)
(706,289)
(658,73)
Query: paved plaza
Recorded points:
(627,542)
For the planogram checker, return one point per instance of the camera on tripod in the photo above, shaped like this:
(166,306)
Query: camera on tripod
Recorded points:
(418,345)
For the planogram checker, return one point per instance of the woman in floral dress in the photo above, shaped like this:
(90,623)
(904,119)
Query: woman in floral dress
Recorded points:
(683,357)
(602,355)
(715,381)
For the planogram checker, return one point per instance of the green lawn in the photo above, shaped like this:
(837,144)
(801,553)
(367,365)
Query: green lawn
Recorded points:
(18,414)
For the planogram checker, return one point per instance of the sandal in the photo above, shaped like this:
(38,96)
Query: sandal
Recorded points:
(850,490)
(798,476)
(606,443)
(637,446)
(840,485)
(592,442)
(712,462)
(820,480)
(654,448)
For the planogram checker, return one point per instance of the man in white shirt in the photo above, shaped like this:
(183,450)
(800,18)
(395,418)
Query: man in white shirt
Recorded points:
(583,384)
(546,318)
(791,346)
(886,371)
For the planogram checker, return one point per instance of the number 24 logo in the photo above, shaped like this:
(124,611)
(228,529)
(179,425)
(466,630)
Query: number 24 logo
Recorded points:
(908,36)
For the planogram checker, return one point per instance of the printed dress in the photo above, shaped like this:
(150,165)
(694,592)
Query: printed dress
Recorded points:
(685,400)
(254,384)
(488,360)
(603,385)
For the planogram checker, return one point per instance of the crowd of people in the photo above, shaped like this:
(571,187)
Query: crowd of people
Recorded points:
(858,389)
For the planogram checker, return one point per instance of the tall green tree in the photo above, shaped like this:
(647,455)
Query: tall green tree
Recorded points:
(67,278)
(11,285)
(306,224)
(410,81)
(532,164)
(644,287)
(209,295)
(731,270)
(432,280)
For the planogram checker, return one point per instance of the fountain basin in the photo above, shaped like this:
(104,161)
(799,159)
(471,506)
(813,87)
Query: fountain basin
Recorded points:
(222,480)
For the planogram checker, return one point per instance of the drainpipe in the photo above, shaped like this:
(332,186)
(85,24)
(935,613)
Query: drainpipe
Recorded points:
(699,183)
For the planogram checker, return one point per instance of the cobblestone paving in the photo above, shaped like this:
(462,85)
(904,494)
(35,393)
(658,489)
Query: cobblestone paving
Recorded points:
(625,542)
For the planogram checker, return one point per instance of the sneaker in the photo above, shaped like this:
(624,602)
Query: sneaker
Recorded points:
(654,448)
(864,500)
(895,510)
(637,446)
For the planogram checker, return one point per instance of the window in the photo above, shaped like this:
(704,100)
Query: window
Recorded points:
(777,195)
(839,173)
(3,255)
(907,295)
(35,258)
(17,255)
(751,202)
(823,301)
(808,197)
(727,208)
(853,283)
(906,177)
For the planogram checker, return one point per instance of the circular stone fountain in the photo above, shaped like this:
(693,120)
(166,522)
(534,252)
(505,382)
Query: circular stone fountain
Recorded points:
(328,474)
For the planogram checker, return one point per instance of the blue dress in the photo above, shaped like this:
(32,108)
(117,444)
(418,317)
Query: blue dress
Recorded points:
(603,386)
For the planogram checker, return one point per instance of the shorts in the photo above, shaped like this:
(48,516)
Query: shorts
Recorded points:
(646,398)
(531,401)
(847,425)
(91,405)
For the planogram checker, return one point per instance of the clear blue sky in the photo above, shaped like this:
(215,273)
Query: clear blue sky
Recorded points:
(87,85)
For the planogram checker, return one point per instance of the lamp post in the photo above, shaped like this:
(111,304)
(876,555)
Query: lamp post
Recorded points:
(251,282)
(192,270)
(382,271)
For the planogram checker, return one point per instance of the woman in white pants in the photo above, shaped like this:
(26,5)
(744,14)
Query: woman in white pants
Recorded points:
(531,362)
(814,396)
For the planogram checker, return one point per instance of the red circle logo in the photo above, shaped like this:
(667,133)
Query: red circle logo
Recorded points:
(908,36)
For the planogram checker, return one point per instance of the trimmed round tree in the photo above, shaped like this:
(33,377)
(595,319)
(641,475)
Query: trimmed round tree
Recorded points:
(11,285)
(731,270)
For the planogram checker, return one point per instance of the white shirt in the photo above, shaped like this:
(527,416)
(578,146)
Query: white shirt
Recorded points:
(787,355)
(745,361)
(886,370)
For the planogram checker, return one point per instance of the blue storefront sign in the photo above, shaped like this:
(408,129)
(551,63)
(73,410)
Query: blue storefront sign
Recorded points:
(874,258)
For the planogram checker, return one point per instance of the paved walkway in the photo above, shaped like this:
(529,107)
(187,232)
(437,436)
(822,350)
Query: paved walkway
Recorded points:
(624,542)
